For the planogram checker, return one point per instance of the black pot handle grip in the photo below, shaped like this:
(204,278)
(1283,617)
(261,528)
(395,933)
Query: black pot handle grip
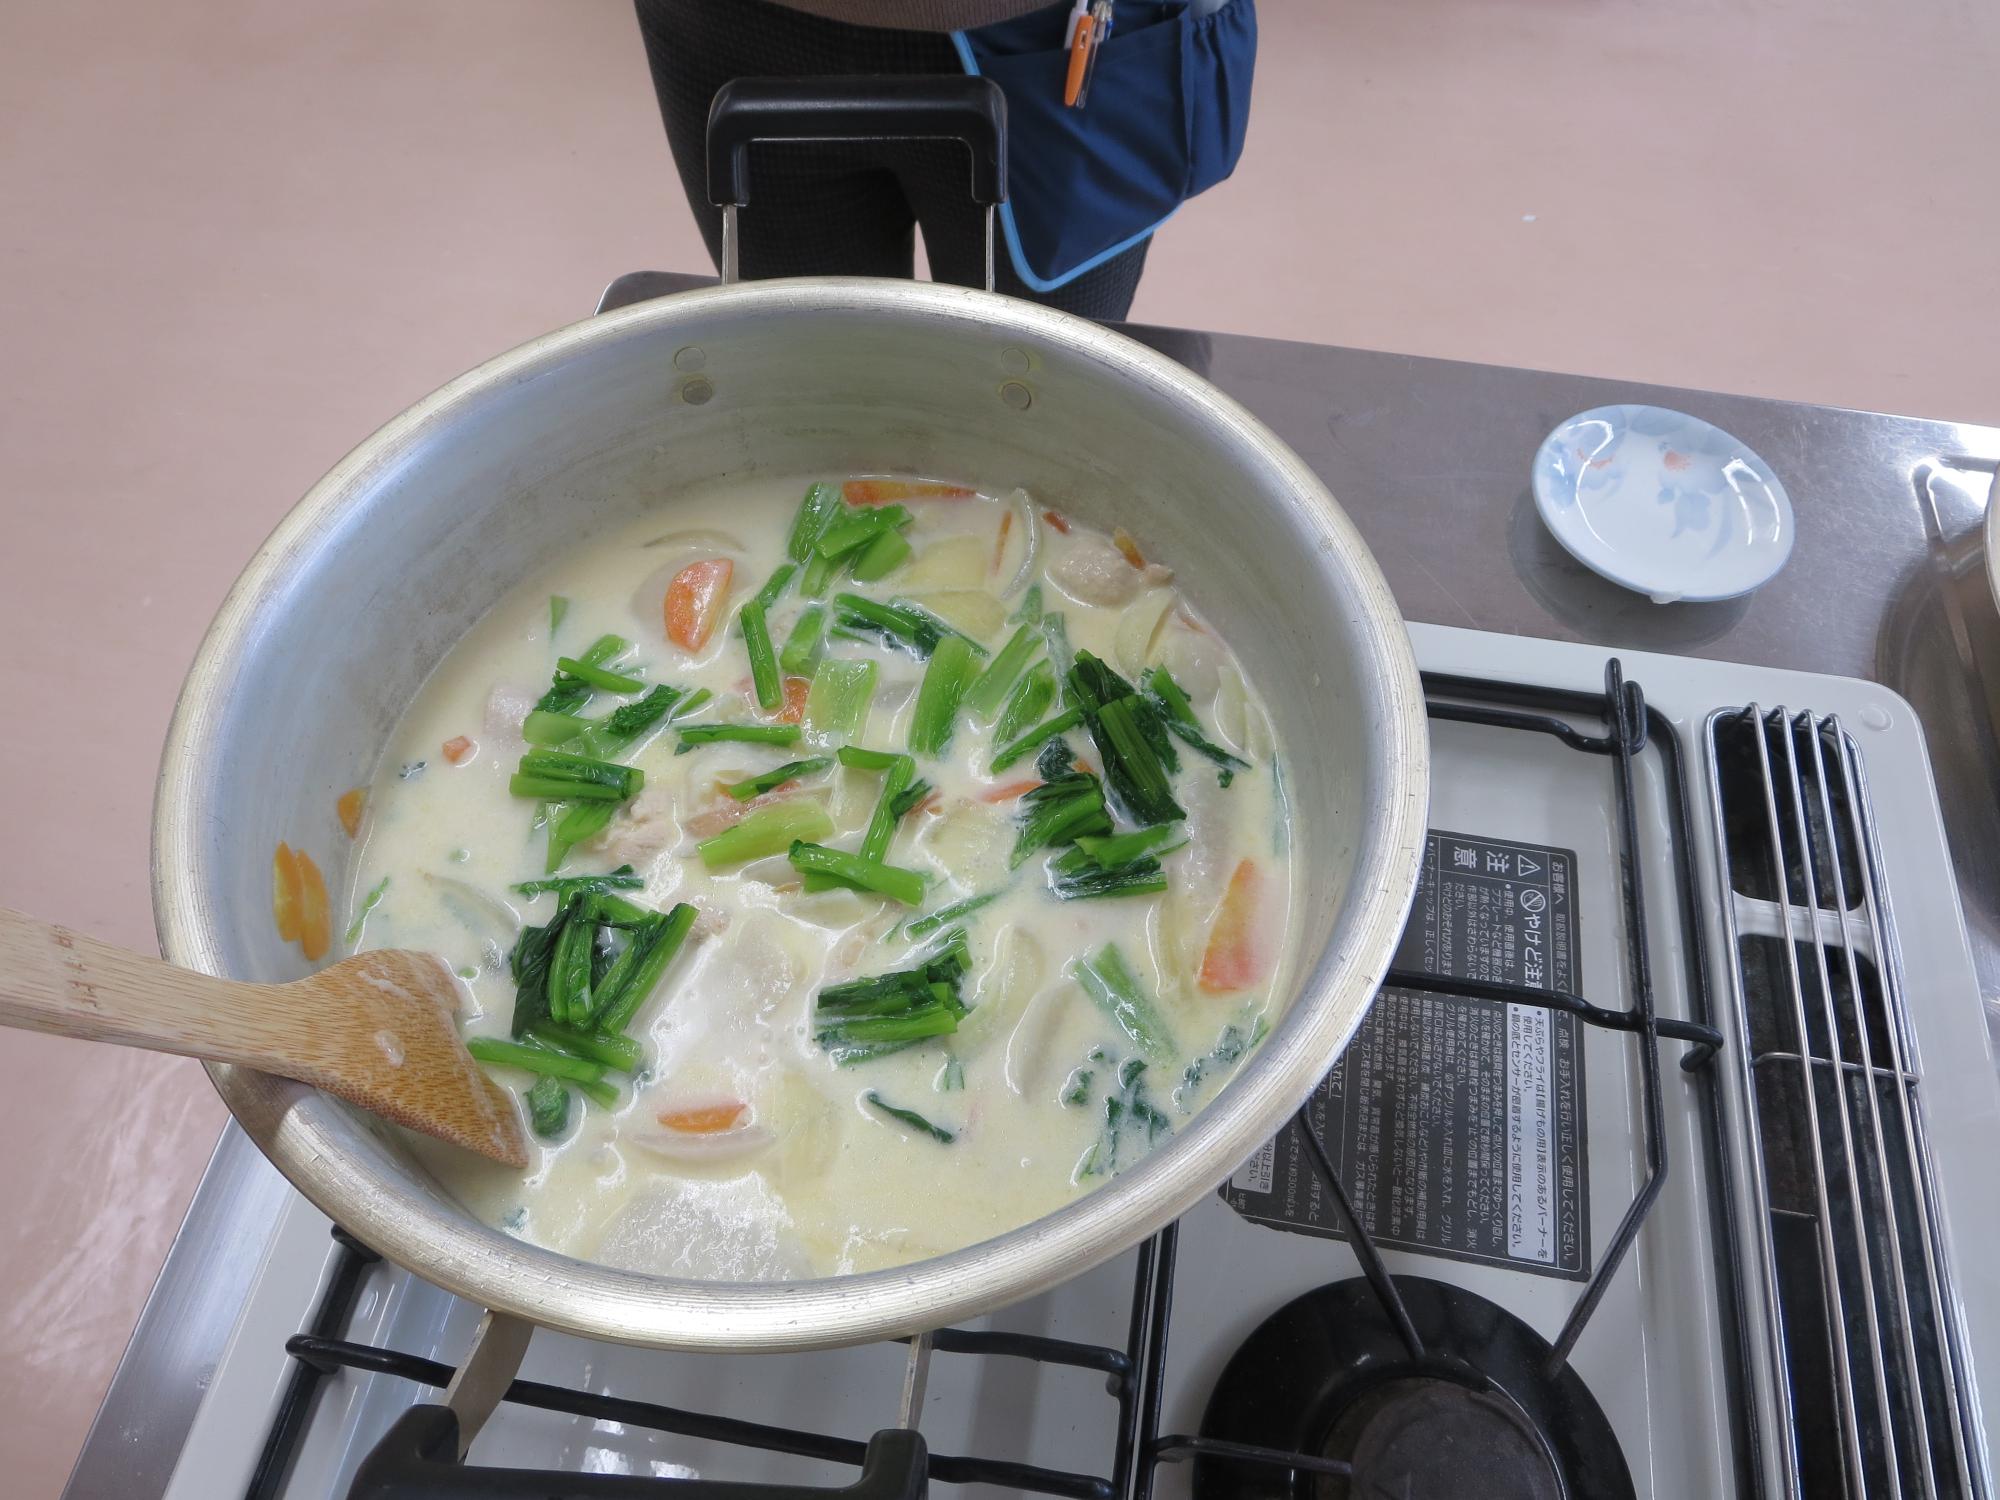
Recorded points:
(957,107)
(417,1459)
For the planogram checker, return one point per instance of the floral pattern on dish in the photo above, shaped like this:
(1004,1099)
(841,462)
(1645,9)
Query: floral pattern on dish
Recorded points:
(1663,503)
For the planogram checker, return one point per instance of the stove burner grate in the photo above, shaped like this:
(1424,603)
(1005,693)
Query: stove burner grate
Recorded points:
(1390,1431)
(1472,1411)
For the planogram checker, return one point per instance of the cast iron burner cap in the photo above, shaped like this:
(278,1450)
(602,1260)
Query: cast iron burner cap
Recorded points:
(1327,1375)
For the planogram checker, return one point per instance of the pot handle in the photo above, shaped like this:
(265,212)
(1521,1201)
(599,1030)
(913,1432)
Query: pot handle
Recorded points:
(959,107)
(417,1459)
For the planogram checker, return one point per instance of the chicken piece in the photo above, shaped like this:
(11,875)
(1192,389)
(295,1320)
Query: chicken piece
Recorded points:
(643,830)
(1092,571)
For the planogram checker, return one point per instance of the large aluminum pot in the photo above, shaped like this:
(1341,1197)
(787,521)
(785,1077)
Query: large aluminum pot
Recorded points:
(360,592)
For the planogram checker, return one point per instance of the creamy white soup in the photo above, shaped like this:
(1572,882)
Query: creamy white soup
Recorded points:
(839,881)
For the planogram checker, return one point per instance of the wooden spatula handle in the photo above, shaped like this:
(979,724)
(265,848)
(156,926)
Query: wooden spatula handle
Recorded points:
(56,980)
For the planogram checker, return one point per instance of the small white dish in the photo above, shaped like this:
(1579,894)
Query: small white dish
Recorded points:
(1663,503)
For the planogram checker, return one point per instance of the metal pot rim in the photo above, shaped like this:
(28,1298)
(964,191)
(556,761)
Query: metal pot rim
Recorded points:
(302,1131)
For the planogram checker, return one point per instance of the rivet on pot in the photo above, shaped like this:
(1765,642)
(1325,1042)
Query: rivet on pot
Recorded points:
(1017,395)
(689,358)
(1014,361)
(697,392)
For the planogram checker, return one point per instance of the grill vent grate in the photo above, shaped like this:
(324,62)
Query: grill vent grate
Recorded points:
(1871,1400)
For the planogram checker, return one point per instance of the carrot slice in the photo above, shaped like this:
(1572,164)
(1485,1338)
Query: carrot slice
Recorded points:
(929,805)
(703,1119)
(1000,542)
(888,491)
(794,709)
(349,807)
(1232,961)
(315,911)
(695,599)
(1056,521)
(1008,792)
(285,892)
(457,748)
(1122,540)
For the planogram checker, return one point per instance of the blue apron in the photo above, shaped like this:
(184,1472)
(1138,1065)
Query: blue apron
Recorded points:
(1165,118)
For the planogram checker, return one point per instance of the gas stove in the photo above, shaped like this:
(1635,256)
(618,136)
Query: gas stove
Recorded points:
(1659,1169)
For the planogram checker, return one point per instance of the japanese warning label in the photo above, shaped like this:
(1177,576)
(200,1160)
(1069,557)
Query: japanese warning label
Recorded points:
(1456,1124)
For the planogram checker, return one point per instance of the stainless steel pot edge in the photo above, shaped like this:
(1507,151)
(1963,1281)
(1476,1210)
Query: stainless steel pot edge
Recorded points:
(294,1126)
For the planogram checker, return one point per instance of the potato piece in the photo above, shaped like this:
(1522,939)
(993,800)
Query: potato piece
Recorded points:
(957,562)
(973,611)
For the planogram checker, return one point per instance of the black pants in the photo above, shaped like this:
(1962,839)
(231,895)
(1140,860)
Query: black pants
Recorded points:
(836,208)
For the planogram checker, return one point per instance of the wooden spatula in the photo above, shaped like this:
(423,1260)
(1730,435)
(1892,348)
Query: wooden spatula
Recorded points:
(376,1029)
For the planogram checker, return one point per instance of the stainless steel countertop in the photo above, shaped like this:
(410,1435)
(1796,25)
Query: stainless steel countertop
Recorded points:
(1430,458)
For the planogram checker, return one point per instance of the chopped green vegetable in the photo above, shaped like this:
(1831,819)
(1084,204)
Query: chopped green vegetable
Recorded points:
(533,951)
(558,607)
(544,728)
(901,626)
(858,529)
(1074,878)
(1110,982)
(615,911)
(1030,610)
(1179,716)
(569,971)
(864,759)
(910,1118)
(986,696)
(1118,848)
(368,903)
(767,831)
(882,822)
(777,776)
(898,884)
(881,557)
(620,879)
(1055,638)
(920,926)
(1025,705)
(558,775)
(598,1092)
(1059,810)
(774,586)
(574,825)
(763,658)
(802,646)
(567,693)
(945,681)
(820,506)
(548,1100)
(1131,1124)
(1062,723)
(951,1077)
(837,703)
(819,573)
(1076,1088)
(1130,737)
(533,1059)
(746,734)
(598,677)
(619,1053)
(909,797)
(637,972)
(867,1018)
(1237,1039)
(616,731)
